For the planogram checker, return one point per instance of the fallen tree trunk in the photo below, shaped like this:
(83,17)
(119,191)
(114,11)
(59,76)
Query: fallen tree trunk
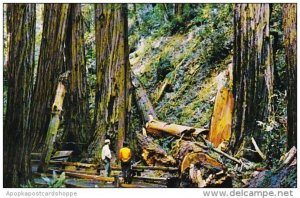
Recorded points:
(144,104)
(54,122)
(152,153)
(159,128)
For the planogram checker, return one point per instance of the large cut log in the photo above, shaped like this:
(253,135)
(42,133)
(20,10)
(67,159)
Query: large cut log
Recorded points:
(54,122)
(220,127)
(144,104)
(159,128)
(153,154)
(202,158)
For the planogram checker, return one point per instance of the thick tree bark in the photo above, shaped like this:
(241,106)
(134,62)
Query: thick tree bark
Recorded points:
(113,99)
(20,66)
(252,73)
(51,64)
(77,119)
(152,153)
(290,44)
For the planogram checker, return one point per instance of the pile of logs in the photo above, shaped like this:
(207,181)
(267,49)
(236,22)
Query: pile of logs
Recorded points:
(198,161)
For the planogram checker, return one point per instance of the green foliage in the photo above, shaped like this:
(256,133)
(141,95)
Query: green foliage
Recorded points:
(163,67)
(29,184)
(56,181)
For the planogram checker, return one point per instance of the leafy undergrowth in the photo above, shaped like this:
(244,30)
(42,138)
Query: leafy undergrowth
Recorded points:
(186,61)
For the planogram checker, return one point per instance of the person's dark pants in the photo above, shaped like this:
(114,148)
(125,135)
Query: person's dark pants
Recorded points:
(107,167)
(126,171)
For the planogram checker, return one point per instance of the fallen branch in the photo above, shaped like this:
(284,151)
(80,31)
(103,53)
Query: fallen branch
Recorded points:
(257,149)
(220,152)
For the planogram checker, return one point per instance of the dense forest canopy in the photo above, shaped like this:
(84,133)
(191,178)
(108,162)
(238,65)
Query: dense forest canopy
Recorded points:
(185,85)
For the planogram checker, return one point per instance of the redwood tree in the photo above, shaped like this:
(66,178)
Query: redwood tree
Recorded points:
(290,44)
(21,31)
(77,120)
(253,72)
(50,65)
(113,76)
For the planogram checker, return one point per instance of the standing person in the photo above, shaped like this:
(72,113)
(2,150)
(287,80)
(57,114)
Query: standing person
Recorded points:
(106,157)
(125,157)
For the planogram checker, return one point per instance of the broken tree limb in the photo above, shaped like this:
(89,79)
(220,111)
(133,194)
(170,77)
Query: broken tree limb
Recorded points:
(158,128)
(161,89)
(257,149)
(153,154)
(54,122)
(288,158)
(221,153)
(144,104)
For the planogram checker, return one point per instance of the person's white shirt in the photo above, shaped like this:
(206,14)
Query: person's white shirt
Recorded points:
(106,152)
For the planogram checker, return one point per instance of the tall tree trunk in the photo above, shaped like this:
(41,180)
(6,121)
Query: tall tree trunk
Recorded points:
(253,72)
(51,64)
(290,44)
(20,66)
(178,8)
(77,120)
(113,76)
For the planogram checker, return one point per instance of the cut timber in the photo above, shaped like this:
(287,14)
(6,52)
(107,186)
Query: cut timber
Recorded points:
(158,128)
(54,122)
(86,176)
(157,179)
(204,159)
(61,155)
(220,127)
(84,165)
(153,154)
(77,164)
(144,104)
(162,168)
